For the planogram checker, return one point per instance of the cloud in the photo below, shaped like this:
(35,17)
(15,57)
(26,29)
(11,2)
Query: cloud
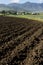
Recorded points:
(14,1)
(40,1)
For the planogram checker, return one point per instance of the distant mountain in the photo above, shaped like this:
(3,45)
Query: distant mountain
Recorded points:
(33,6)
(5,7)
(28,6)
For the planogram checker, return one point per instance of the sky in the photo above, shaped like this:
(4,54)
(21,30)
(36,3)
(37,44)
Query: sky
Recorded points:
(20,1)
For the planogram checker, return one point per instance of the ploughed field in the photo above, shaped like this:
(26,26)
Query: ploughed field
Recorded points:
(21,41)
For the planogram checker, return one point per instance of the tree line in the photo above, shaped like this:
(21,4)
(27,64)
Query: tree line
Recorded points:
(3,12)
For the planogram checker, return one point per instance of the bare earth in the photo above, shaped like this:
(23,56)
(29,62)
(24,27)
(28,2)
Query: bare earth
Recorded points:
(21,41)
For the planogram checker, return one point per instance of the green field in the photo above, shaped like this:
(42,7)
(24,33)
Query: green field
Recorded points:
(33,17)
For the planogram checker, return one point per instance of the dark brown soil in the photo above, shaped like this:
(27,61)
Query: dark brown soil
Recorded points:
(21,41)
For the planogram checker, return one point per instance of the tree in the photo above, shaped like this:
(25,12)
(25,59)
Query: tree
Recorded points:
(15,13)
(12,12)
(3,12)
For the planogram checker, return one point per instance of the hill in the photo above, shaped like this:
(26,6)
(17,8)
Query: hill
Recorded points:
(28,6)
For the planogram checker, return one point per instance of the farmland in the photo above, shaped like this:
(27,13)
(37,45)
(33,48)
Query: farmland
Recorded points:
(33,17)
(21,41)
